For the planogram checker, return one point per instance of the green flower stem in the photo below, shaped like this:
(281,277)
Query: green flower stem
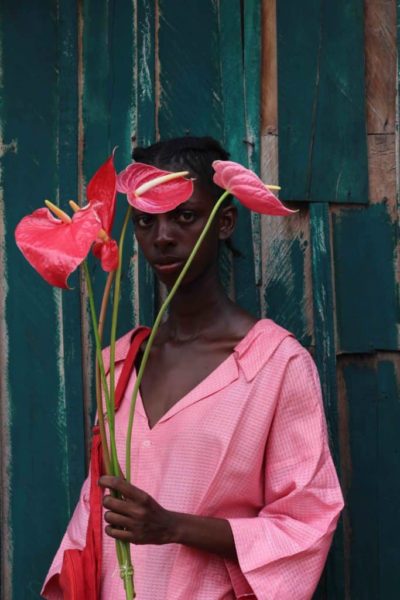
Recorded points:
(99,358)
(123,548)
(99,403)
(114,320)
(155,329)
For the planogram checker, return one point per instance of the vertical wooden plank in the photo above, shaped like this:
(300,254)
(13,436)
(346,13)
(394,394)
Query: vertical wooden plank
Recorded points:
(281,236)
(146,131)
(38,420)
(359,298)
(362,498)
(235,137)
(108,109)
(252,90)
(322,150)
(325,356)
(69,305)
(190,93)
(388,484)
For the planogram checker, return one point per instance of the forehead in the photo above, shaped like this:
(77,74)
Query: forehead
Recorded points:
(200,200)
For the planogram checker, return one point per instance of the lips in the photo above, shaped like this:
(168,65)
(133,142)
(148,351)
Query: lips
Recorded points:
(168,264)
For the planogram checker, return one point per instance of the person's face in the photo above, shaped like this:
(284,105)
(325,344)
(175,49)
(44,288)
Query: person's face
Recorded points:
(167,239)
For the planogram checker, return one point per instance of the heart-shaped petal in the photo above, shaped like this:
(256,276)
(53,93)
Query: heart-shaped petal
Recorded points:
(107,253)
(248,188)
(101,193)
(53,248)
(160,198)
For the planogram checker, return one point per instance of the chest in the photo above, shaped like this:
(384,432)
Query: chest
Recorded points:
(172,373)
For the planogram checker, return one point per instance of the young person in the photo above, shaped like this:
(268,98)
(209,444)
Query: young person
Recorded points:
(234,492)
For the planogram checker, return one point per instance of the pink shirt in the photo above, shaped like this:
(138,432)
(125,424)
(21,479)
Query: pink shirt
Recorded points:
(248,444)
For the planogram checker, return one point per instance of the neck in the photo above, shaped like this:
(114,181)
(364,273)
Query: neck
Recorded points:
(197,306)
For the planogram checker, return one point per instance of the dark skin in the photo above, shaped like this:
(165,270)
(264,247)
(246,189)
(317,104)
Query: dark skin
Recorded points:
(201,331)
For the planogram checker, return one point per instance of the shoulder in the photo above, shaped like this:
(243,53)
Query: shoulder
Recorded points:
(122,346)
(269,344)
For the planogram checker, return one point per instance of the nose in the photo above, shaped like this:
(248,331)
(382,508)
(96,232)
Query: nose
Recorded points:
(164,237)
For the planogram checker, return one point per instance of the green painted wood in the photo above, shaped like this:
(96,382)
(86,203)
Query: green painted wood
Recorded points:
(322,131)
(388,418)
(146,132)
(285,293)
(372,395)
(332,584)
(235,138)
(366,302)
(43,472)
(190,93)
(251,16)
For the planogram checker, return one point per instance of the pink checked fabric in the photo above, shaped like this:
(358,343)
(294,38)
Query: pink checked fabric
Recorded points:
(248,444)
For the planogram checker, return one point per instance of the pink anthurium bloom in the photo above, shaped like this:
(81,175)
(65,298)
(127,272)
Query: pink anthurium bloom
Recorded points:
(152,190)
(56,247)
(248,188)
(101,193)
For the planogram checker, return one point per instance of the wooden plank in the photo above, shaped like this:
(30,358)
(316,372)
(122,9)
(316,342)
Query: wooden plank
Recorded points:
(362,497)
(251,16)
(322,149)
(235,136)
(325,357)
(190,93)
(388,418)
(108,106)
(380,65)
(286,285)
(38,417)
(367,312)
(146,131)
(285,241)
(371,396)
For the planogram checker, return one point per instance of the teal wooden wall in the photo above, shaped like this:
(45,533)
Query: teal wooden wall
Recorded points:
(78,78)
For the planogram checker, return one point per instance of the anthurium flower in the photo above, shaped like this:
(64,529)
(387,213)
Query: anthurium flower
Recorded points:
(152,190)
(248,188)
(101,193)
(55,247)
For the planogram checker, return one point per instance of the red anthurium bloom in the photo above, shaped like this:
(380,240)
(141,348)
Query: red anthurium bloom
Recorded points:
(248,188)
(101,193)
(54,247)
(152,190)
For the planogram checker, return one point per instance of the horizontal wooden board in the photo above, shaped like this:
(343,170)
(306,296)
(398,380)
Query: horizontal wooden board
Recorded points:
(321,96)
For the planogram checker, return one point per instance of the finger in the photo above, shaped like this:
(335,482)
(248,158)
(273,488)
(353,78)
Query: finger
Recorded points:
(129,508)
(118,521)
(118,534)
(126,489)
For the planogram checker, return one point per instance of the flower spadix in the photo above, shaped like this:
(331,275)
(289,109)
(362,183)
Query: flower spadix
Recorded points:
(153,190)
(248,188)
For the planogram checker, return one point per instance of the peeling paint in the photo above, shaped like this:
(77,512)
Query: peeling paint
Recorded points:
(5,394)
(61,411)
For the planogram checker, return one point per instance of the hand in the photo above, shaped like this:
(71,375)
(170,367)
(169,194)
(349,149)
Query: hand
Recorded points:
(135,517)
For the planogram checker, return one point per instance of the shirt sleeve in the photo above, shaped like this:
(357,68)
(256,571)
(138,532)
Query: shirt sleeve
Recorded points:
(74,538)
(282,552)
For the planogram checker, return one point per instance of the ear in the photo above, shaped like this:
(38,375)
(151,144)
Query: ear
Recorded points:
(227,221)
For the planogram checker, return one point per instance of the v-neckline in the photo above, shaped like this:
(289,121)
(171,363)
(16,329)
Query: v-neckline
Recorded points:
(197,392)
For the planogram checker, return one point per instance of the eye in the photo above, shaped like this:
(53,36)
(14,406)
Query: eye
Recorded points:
(185,216)
(143,221)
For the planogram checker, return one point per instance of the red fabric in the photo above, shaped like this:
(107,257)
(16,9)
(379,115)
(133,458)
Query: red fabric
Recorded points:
(80,577)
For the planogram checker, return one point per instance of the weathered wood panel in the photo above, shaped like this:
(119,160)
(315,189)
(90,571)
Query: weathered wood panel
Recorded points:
(371,392)
(366,301)
(43,345)
(322,150)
